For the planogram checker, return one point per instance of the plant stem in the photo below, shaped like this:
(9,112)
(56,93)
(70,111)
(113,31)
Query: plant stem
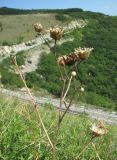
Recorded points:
(62,93)
(55,44)
(43,38)
(96,151)
(67,108)
(33,100)
(67,88)
(66,74)
(85,146)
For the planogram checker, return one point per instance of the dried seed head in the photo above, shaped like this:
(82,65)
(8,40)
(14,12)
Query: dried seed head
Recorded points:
(38,27)
(61,61)
(98,130)
(83,52)
(56,33)
(68,60)
(79,54)
(73,73)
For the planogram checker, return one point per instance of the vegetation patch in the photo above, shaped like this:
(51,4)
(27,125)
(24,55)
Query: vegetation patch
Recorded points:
(23,138)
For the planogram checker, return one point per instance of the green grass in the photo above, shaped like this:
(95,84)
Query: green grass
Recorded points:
(7,70)
(21,134)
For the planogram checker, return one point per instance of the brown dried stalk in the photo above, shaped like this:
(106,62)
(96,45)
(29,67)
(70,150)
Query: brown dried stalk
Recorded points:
(96,151)
(68,87)
(86,145)
(72,59)
(33,100)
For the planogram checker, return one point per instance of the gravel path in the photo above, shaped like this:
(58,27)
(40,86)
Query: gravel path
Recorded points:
(109,117)
(34,55)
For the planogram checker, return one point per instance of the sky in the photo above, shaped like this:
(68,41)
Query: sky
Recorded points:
(108,7)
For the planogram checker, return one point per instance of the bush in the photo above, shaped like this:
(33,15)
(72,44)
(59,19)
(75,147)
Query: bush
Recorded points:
(63,17)
(5,43)
(20,39)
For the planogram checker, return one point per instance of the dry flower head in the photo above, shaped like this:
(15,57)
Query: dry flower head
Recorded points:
(83,53)
(79,54)
(98,130)
(38,27)
(56,33)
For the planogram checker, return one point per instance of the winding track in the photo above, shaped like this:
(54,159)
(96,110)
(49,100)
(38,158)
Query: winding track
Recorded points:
(94,113)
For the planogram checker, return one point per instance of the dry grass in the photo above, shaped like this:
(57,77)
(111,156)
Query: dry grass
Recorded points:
(17,28)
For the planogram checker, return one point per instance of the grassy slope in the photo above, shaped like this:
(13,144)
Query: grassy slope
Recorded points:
(20,134)
(19,28)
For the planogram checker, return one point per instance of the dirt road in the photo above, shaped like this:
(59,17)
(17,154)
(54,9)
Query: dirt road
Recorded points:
(100,114)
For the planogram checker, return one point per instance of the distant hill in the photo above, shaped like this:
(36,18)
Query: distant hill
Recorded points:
(13,11)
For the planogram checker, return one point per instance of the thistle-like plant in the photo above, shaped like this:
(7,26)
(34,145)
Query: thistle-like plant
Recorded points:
(68,77)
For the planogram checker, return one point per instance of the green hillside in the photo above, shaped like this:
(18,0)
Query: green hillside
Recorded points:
(14,11)
(97,74)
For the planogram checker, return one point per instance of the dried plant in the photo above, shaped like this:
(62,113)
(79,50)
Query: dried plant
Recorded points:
(98,130)
(56,33)
(67,77)
(38,27)
(79,54)
(32,99)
